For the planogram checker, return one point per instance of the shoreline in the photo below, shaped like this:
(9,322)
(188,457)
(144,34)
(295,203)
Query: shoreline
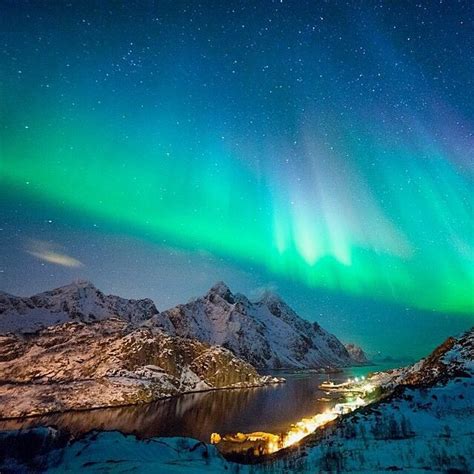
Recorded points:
(271,373)
(122,405)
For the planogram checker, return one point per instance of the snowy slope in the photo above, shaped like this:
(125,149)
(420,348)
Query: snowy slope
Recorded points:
(109,363)
(267,333)
(425,428)
(426,424)
(420,432)
(51,451)
(453,358)
(79,301)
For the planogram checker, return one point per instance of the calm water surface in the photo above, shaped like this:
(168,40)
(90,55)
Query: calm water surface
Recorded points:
(272,408)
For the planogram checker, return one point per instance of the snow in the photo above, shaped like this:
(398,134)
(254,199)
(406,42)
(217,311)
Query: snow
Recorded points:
(417,429)
(114,452)
(425,424)
(429,430)
(267,333)
(109,363)
(79,301)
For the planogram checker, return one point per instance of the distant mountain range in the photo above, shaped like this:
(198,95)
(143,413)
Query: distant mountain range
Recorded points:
(267,333)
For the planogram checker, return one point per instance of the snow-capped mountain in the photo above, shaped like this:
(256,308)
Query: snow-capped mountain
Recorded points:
(79,301)
(108,363)
(267,333)
(453,358)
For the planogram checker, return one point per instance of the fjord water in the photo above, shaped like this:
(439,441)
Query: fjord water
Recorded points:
(197,415)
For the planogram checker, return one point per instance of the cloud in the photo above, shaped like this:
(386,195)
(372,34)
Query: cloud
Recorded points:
(51,253)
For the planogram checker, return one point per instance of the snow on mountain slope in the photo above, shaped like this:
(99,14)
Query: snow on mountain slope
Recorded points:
(54,451)
(426,424)
(267,333)
(79,301)
(109,363)
(451,359)
(417,429)
(454,357)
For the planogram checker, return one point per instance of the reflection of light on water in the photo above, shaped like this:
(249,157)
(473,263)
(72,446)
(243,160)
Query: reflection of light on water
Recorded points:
(267,443)
(305,427)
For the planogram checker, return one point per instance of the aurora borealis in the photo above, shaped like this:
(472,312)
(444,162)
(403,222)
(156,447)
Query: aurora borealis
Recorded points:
(326,145)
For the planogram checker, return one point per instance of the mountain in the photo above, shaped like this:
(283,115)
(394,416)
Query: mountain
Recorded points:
(401,360)
(109,363)
(357,354)
(266,333)
(453,358)
(423,425)
(79,301)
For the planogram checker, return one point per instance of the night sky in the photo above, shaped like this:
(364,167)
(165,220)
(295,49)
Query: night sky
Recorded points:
(322,149)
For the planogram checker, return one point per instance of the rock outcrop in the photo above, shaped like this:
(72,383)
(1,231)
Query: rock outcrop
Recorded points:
(357,354)
(75,366)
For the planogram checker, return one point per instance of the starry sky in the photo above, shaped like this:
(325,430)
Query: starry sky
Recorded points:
(324,149)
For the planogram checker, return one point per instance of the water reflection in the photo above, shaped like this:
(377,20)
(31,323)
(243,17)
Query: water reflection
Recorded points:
(272,408)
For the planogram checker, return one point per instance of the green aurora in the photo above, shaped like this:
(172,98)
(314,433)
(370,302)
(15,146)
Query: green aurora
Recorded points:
(325,230)
(324,181)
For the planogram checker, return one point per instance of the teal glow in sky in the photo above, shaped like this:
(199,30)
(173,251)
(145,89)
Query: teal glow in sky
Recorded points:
(327,146)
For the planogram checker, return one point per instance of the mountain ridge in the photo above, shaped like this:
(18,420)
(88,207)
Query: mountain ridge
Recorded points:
(77,301)
(78,365)
(266,332)
(419,428)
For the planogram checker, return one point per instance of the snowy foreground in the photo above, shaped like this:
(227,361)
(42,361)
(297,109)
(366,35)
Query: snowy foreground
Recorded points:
(426,424)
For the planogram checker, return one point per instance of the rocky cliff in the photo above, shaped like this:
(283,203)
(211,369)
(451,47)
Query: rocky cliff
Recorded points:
(357,354)
(108,363)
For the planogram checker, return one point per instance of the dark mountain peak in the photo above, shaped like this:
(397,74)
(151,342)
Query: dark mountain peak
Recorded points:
(222,290)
